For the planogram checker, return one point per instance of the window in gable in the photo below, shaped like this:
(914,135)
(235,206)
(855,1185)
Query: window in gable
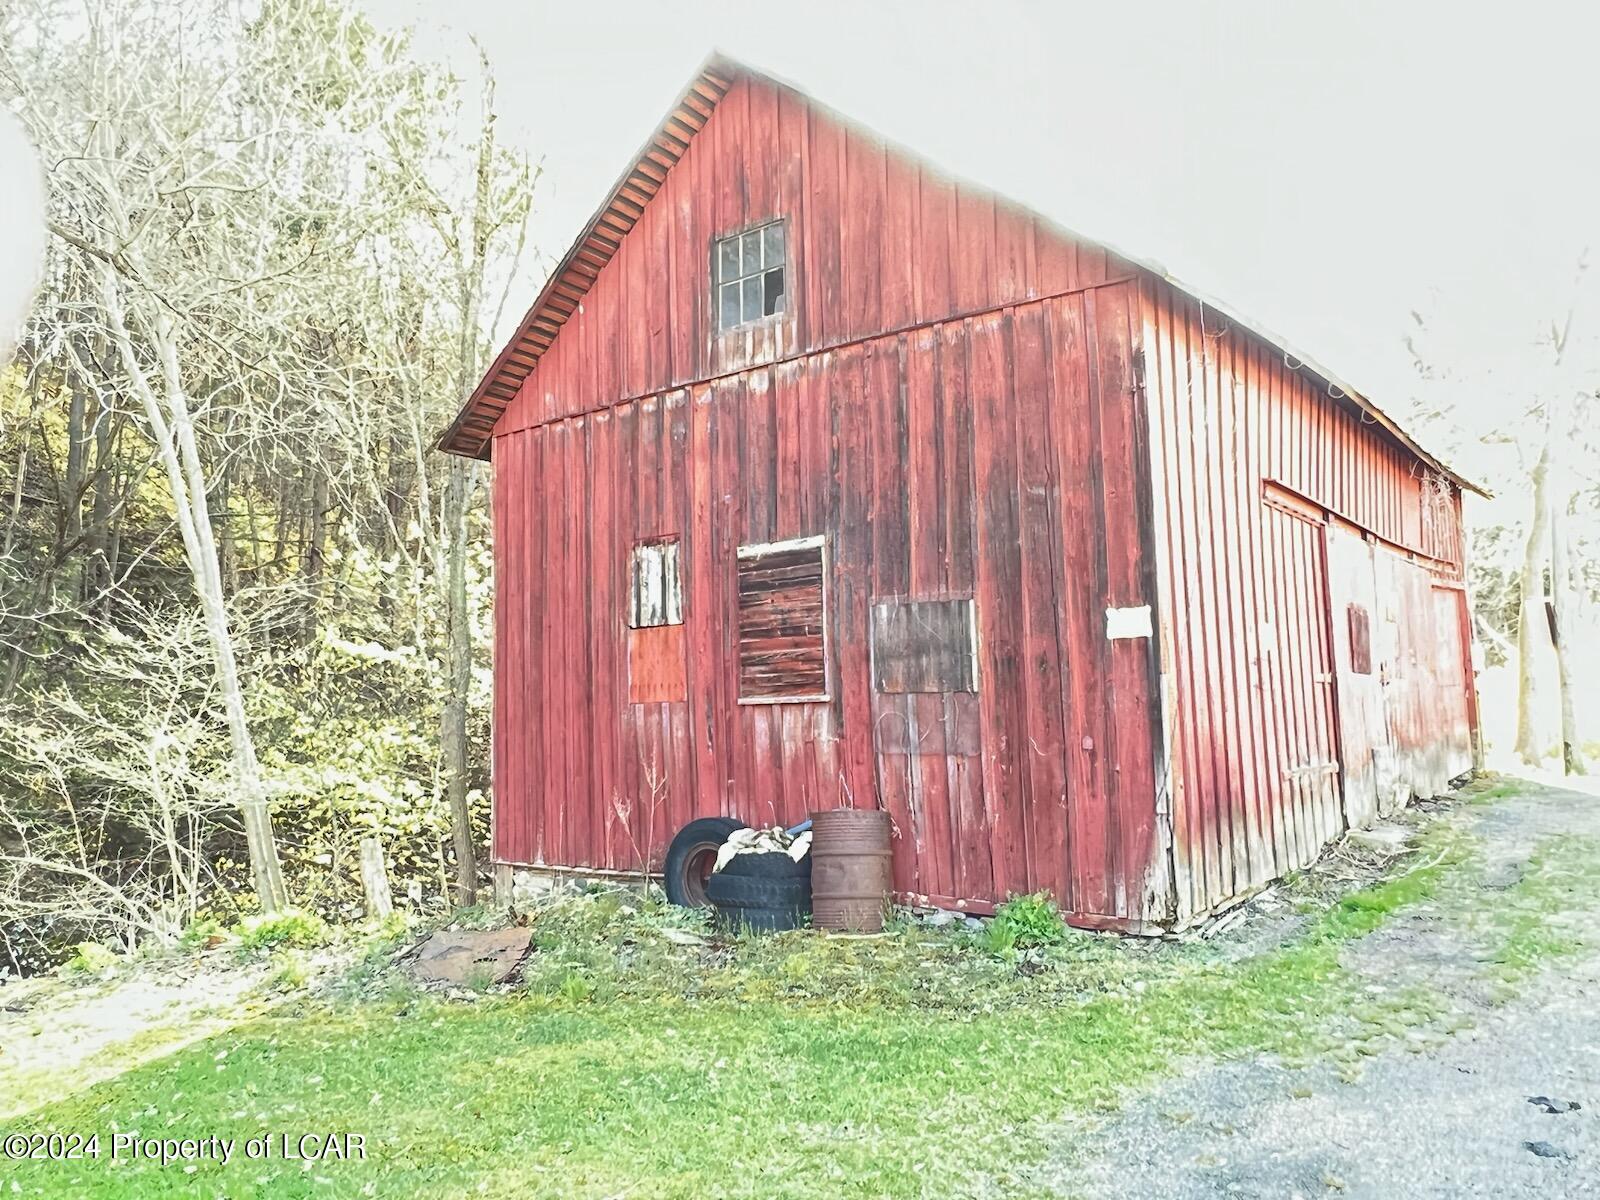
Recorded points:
(782,622)
(749,275)
(924,646)
(655,588)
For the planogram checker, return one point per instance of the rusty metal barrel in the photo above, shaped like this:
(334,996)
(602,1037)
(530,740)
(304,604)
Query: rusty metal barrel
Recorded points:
(849,869)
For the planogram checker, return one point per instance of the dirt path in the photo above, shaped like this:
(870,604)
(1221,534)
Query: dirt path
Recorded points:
(58,1036)
(1451,1108)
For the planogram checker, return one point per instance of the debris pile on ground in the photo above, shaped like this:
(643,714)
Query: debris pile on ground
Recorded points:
(460,957)
(763,841)
(939,918)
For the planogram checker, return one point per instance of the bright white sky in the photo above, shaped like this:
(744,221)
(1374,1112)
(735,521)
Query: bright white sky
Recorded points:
(1325,170)
(21,228)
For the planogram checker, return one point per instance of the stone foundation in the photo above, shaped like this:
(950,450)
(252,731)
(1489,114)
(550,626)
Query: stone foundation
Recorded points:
(522,887)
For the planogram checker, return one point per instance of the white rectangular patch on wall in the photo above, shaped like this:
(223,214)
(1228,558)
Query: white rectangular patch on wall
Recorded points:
(1128,622)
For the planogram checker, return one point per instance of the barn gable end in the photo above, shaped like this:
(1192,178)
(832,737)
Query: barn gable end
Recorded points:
(918,248)
(950,405)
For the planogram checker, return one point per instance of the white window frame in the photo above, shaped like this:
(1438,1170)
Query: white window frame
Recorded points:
(672,601)
(717,282)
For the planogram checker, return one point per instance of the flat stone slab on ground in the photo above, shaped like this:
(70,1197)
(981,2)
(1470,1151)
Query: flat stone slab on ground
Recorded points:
(1384,838)
(460,955)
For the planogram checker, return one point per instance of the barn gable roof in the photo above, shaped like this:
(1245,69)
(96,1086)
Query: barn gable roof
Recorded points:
(470,433)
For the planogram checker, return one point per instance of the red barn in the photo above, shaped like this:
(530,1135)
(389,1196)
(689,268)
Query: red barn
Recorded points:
(821,478)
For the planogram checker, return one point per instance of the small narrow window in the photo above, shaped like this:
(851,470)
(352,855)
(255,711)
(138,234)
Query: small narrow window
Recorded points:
(749,276)
(1360,640)
(655,589)
(782,620)
(924,646)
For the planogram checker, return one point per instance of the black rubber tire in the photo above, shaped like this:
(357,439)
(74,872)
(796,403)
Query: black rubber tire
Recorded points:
(774,865)
(750,891)
(685,872)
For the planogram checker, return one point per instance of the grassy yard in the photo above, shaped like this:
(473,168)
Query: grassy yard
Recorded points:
(918,1064)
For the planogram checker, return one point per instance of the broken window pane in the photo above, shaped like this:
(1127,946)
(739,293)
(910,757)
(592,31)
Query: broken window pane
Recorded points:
(772,292)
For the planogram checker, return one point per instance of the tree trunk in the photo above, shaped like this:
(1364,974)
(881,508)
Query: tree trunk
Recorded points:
(97,550)
(77,465)
(1533,625)
(312,564)
(1572,762)
(459,486)
(375,880)
(173,431)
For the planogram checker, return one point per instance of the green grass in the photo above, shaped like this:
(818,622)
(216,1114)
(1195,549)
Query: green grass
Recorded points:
(1548,915)
(798,1066)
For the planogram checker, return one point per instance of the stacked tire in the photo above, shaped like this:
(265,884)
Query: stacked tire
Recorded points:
(765,892)
(687,871)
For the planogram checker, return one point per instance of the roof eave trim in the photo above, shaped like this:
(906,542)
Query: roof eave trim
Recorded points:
(705,90)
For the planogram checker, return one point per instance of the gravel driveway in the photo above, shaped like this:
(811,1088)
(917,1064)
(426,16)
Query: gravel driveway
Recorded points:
(1507,1106)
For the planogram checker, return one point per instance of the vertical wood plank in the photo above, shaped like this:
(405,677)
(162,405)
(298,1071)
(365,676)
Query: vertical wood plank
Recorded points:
(972,250)
(1043,582)
(999,581)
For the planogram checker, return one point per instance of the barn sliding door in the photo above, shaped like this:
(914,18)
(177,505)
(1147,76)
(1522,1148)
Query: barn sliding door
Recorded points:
(1452,656)
(1399,664)
(1363,729)
(1296,676)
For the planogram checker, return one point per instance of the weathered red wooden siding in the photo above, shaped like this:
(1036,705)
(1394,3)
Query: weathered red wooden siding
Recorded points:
(955,406)
(1252,460)
(997,456)
(965,402)
(880,244)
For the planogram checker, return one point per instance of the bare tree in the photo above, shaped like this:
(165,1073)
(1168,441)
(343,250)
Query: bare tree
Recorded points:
(173,428)
(1532,628)
(1544,622)
(276,261)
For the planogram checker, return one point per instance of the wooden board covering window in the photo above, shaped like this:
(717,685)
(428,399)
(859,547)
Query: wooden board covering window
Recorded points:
(1360,640)
(656,665)
(782,613)
(924,646)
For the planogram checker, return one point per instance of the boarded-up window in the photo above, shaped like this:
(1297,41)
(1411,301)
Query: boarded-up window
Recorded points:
(924,646)
(782,616)
(1360,640)
(655,665)
(655,591)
